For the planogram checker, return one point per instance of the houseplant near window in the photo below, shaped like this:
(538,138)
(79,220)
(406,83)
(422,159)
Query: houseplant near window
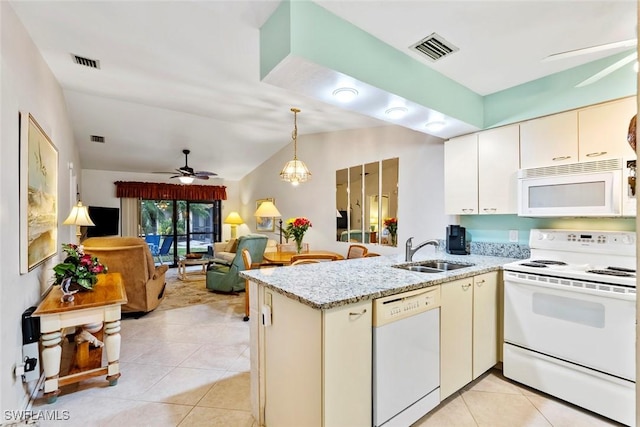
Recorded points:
(296,227)
(81,268)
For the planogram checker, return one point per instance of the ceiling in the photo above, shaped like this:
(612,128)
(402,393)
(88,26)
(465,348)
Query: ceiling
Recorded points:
(177,75)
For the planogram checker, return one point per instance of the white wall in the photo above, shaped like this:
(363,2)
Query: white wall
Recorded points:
(26,85)
(421,183)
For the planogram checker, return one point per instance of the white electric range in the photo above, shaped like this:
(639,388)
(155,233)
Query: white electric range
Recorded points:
(569,319)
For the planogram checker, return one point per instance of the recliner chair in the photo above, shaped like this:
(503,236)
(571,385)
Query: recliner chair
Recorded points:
(131,257)
(223,277)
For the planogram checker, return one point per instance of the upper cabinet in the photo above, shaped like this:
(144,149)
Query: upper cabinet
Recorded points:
(549,141)
(498,164)
(477,166)
(461,175)
(589,134)
(602,130)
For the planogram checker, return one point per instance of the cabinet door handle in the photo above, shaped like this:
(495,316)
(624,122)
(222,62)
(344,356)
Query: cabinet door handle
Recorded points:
(467,210)
(492,210)
(364,310)
(596,154)
(480,283)
(556,159)
(466,286)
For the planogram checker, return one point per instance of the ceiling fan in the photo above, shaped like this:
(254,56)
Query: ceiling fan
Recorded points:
(186,174)
(599,48)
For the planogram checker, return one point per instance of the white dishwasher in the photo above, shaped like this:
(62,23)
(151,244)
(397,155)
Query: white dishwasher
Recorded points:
(406,356)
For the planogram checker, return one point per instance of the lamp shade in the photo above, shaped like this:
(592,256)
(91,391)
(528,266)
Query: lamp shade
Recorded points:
(268,210)
(186,179)
(295,172)
(79,216)
(233,218)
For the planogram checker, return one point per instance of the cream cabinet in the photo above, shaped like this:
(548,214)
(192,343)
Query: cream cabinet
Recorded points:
(316,364)
(461,175)
(498,164)
(477,167)
(602,130)
(468,330)
(549,141)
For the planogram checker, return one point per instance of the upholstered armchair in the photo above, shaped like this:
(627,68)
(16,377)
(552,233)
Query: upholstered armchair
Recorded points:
(225,278)
(131,257)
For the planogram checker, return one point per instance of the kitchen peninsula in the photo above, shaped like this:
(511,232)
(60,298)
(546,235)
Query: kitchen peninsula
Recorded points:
(311,333)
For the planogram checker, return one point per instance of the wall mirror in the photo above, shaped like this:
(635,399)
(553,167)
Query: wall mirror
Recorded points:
(366,198)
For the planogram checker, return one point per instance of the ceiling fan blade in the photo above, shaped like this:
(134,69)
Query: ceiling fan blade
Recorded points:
(205,177)
(205,173)
(610,69)
(592,49)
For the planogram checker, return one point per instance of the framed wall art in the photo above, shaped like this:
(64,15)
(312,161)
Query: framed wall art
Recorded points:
(38,195)
(266,223)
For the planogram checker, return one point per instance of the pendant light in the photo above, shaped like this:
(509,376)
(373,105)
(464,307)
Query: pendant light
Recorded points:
(295,171)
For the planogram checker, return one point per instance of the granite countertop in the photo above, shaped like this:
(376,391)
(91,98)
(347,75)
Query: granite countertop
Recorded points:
(331,284)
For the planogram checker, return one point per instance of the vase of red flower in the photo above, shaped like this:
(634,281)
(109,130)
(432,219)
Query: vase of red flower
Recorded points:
(391,224)
(81,268)
(296,228)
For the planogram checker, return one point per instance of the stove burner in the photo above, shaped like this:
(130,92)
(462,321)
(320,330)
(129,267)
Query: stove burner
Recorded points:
(533,264)
(611,273)
(548,262)
(626,270)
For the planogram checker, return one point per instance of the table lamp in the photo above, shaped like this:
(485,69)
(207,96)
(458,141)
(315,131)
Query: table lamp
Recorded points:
(79,216)
(234,220)
(269,210)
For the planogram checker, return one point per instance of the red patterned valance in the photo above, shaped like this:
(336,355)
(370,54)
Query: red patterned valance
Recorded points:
(161,191)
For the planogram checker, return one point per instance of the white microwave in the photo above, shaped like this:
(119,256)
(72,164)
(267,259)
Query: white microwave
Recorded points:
(589,189)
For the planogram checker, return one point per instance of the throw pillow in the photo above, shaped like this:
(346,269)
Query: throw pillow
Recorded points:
(234,247)
(230,246)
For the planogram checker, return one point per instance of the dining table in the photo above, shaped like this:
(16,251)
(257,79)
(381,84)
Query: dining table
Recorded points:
(284,258)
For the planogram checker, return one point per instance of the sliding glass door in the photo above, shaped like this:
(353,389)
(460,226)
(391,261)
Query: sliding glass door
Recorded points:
(173,228)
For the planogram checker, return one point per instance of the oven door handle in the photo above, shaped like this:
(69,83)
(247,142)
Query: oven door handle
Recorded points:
(511,278)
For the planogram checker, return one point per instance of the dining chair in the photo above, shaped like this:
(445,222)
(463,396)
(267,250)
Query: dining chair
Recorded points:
(370,254)
(319,257)
(305,261)
(246,258)
(357,251)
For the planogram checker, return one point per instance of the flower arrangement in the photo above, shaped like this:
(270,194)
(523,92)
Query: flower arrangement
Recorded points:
(296,227)
(391,224)
(81,268)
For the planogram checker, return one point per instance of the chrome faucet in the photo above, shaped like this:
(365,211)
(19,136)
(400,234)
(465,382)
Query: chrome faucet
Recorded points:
(409,250)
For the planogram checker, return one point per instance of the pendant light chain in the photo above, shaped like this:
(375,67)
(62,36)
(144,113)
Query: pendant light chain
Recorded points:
(294,134)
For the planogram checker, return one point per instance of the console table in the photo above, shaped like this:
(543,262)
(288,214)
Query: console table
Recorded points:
(100,305)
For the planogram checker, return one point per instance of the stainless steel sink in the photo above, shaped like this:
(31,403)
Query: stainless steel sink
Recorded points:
(442,265)
(433,266)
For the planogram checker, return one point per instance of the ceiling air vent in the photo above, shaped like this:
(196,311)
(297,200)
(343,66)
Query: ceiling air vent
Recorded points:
(435,47)
(91,63)
(97,138)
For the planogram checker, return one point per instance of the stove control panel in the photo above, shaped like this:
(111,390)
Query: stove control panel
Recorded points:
(613,242)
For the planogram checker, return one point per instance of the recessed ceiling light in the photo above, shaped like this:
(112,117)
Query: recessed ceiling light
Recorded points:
(345,94)
(396,112)
(435,125)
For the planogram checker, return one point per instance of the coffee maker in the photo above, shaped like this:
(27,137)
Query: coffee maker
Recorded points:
(456,240)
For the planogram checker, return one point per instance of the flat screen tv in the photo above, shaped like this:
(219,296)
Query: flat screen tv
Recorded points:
(342,220)
(106,220)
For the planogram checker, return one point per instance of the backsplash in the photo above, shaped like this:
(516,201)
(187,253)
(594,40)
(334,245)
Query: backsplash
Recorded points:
(510,250)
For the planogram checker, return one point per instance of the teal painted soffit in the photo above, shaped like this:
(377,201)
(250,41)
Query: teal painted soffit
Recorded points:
(322,38)
(300,28)
(557,92)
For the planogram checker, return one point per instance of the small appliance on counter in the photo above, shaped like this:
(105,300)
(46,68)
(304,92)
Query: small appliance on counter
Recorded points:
(456,240)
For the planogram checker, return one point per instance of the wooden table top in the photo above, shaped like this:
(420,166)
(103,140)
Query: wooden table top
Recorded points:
(285,257)
(109,290)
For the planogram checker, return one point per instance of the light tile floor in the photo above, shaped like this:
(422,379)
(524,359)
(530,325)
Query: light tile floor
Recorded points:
(190,367)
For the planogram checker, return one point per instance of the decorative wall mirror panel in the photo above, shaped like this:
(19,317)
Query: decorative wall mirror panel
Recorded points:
(367,203)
